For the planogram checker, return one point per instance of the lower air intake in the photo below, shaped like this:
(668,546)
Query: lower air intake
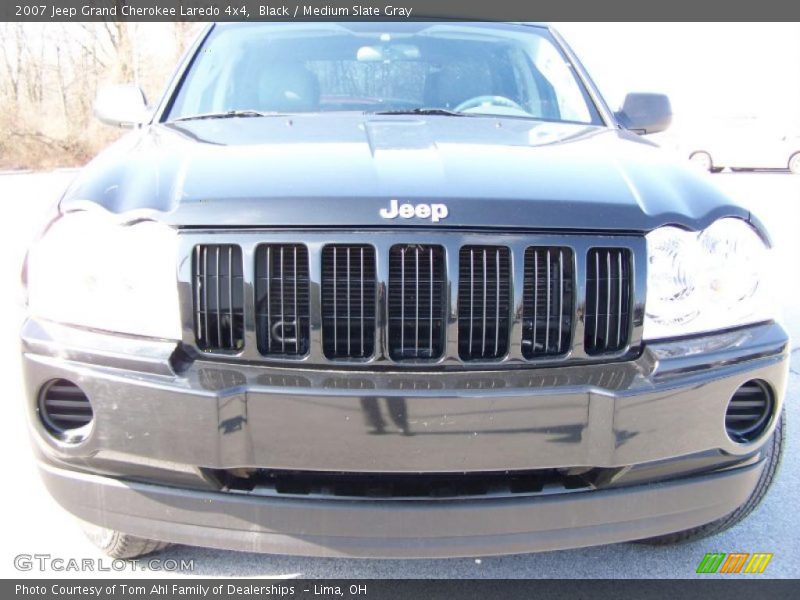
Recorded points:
(65,410)
(749,411)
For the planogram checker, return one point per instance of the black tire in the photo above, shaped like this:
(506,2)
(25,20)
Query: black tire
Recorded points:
(121,545)
(794,163)
(773,452)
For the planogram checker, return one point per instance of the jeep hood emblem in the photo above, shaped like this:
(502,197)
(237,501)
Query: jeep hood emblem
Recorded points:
(434,212)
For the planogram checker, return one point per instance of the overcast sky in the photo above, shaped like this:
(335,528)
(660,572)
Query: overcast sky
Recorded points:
(724,69)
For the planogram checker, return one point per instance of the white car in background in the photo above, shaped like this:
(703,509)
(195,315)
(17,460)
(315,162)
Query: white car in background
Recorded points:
(742,145)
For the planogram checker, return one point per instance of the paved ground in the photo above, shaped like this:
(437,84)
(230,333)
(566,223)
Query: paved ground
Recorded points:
(32,523)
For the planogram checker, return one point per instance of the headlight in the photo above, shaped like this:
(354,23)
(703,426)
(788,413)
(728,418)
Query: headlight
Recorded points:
(697,282)
(90,271)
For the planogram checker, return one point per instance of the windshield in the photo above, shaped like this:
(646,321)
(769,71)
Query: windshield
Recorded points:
(447,69)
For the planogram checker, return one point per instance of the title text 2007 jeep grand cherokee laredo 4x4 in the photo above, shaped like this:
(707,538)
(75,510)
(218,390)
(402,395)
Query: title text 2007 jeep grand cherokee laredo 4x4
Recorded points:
(398,290)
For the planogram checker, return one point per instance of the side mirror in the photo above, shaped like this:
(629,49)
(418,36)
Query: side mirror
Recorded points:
(121,105)
(645,113)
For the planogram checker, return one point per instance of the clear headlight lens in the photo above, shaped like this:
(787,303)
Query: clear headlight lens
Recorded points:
(704,281)
(91,271)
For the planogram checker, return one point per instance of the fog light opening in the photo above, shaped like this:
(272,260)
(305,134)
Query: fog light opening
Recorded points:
(749,412)
(65,411)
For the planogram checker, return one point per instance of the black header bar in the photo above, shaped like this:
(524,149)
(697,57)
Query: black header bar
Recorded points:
(354,10)
(355,589)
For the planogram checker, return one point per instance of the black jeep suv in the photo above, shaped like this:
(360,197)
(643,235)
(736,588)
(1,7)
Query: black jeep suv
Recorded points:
(398,290)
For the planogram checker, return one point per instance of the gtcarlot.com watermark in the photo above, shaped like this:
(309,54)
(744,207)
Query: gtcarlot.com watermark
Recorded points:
(48,562)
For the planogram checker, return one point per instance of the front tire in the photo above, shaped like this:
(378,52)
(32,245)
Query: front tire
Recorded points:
(773,452)
(117,544)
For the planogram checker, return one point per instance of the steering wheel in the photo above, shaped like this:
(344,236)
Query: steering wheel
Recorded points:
(488,101)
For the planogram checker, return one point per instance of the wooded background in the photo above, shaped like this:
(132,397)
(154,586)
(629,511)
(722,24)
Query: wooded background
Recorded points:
(713,72)
(50,73)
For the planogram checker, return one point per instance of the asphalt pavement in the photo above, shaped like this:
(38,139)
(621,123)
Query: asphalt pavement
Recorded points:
(32,523)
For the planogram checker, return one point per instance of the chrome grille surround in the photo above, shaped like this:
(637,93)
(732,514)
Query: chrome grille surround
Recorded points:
(382,240)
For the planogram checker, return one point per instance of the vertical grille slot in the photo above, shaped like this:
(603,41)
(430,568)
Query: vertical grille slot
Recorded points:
(218,297)
(416,302)
(483,302)
(282,299)
(547,301)
(608,300)
(348,301)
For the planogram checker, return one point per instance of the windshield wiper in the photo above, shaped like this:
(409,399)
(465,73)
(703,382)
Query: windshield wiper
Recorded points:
(231,114)
(423,111)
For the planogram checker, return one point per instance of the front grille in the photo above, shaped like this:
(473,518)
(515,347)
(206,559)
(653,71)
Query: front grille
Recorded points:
(608,300)
(348,301)
(416,302)
(483,302)
(548,302)
(282,299)
(410,297)
(218,297)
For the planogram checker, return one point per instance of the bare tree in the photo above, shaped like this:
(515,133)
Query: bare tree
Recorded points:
(12,50)
(50,73)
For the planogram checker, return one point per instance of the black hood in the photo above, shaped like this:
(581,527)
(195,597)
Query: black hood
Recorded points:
(340,170)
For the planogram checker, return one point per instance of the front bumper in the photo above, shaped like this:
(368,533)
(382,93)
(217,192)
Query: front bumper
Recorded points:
(158,433)
(386,529)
